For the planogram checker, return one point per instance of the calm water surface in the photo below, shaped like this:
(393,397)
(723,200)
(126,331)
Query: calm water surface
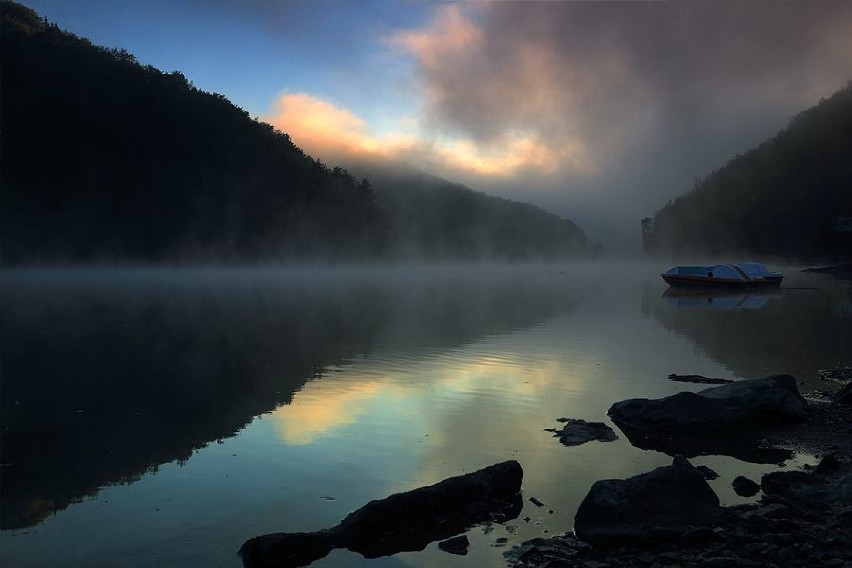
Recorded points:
(165,416)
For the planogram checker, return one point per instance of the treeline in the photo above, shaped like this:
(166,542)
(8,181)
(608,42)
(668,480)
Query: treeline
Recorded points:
(432,218)
(785,198)
(105,159)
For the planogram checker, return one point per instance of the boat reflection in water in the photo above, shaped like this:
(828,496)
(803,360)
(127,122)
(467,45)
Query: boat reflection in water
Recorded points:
(721,298)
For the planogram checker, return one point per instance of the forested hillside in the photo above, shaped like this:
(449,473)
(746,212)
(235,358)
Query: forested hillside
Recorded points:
(104,159)
(786,198)
(432,218)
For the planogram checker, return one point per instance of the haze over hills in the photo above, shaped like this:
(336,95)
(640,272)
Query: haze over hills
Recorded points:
(106,159)
(789,197)
(433,218)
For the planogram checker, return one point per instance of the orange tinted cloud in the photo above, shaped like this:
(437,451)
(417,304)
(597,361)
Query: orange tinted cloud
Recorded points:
(321,128)
(449,34)
(332,132)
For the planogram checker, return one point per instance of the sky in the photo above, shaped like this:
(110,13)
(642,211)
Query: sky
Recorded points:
(596,111)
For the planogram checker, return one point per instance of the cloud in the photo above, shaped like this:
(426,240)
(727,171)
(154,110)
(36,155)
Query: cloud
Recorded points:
(322,128)
(335,133)
(598,73)
(647,95)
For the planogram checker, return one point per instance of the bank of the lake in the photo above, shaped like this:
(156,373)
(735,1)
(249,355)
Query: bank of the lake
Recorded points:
(802,518)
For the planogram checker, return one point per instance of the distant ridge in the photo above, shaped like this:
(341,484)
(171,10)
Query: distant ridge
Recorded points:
(786,198)
(107,160)
(433,218)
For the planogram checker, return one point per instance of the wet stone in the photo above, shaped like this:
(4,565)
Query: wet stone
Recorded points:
(575,432)
(745,487)
(456,545)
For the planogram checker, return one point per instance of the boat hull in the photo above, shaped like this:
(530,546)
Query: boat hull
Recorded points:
(690,281)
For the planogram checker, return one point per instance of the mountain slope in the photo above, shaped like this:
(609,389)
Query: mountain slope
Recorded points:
(782,198)
(106,159)
(432,218)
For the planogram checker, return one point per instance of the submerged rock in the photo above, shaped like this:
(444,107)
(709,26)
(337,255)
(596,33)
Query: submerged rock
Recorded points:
(708,473)
(698,379)
(703,422)
(576,432)
(456,545)
(401,522)
(659,505)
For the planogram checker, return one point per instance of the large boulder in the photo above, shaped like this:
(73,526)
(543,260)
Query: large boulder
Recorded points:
(808,489)
(401,522)
(695,423)
(411,520)
(661,504)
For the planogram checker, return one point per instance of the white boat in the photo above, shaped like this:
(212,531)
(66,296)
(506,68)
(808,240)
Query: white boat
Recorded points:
(740,275)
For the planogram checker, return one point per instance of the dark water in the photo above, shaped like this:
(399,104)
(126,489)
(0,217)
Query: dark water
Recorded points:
(163,417)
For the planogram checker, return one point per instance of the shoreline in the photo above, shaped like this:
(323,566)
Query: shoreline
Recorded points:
(791,526)
(842,271)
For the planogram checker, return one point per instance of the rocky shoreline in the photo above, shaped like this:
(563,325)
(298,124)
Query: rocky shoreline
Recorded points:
(802,518)
(669,516)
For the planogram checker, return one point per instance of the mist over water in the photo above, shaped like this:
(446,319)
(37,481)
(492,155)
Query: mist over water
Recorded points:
(165,416)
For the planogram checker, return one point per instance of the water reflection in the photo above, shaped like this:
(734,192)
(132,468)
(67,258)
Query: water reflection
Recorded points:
(108,375)
(797,330)
(343,386)
(721,299)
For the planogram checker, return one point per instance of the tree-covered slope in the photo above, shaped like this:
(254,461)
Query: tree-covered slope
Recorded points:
(432,218)
(106,159)
(781,198)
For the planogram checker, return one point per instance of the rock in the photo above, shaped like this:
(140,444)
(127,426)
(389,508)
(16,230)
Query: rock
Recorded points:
(838,375)
(698,537)
(402,522)
(708,473)
(411,520)
(286,549)
(547,551)
(774,511)
(793,485)
(576,432)
(844,395)
(745,487)
(456,545)
(697,423)
(673,499)
(698,379)
(770,400)
(840,492)
(827,464)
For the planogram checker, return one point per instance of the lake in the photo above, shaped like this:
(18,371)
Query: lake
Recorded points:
(163,417)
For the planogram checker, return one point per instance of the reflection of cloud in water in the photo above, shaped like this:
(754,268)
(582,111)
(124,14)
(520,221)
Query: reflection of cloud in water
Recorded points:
(456,381)
(322,406)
